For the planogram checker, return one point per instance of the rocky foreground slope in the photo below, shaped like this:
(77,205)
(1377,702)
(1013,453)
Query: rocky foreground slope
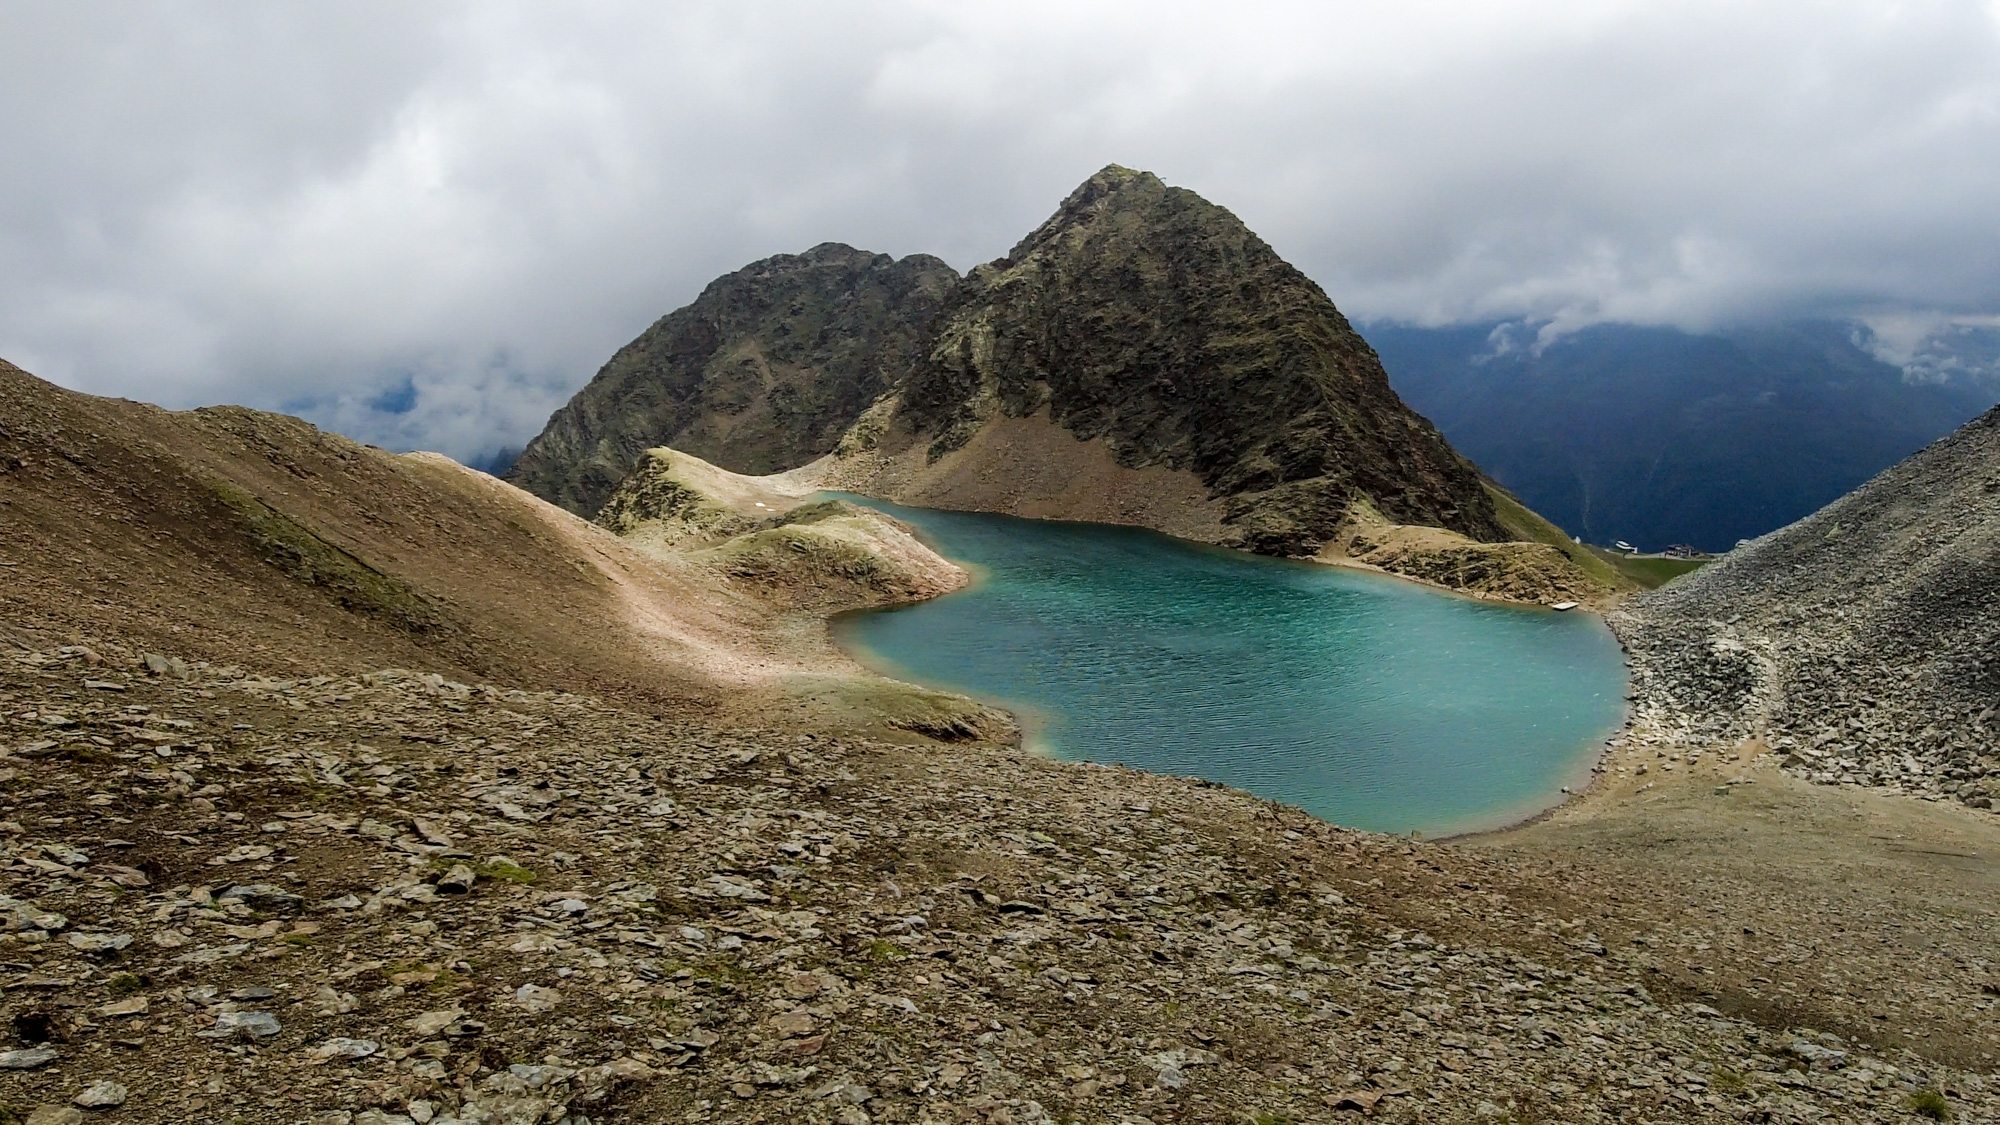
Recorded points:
(1141,357)
(395,898)
(1862,643)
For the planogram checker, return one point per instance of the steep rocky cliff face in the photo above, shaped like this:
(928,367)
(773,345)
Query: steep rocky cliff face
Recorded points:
(1140,330)
(764,371)
(1154,320)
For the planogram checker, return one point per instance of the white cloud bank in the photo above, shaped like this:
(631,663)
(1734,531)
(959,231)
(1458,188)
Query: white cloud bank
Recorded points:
(427,224)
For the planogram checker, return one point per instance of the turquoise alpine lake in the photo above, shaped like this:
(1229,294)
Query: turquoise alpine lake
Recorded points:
(1365,700)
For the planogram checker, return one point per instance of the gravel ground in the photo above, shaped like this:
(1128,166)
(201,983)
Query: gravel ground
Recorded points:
(395,898)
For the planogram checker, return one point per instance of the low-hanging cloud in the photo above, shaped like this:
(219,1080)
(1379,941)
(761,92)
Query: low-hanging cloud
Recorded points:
(427,224)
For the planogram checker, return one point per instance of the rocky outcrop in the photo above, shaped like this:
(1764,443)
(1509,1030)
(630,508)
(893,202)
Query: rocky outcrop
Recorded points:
(1141,357)
(670,498)
(826,555)
(1862,643)
(764,371)
(1519,572)
(763,541)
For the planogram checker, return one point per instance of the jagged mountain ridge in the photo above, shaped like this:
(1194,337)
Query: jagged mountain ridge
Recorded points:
(763,372)
(1140,318)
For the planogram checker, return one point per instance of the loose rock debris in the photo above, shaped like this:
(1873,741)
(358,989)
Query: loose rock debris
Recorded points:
(393,898)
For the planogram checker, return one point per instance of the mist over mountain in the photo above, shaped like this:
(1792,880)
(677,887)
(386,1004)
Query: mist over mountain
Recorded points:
(1658,436)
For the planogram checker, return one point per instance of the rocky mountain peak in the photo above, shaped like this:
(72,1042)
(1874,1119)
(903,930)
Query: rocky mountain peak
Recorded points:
(1112,190)
(1148,317)
(1141,318)
(764,371)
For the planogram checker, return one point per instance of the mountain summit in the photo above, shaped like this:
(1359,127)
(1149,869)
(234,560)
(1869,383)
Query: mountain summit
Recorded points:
(1141,357)
(1145,316)
(764,371)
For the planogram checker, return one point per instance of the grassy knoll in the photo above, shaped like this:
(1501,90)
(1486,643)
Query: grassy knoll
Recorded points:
(1523,524)
(1649,571)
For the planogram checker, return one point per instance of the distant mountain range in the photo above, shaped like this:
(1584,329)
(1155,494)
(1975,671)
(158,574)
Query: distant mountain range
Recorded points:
(1657,436)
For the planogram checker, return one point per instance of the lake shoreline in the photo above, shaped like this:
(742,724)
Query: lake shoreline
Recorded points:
(1368,703)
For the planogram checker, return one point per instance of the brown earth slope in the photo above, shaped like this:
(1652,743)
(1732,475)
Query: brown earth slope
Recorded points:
(240,537)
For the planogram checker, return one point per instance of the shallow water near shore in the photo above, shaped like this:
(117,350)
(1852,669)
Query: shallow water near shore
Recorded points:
(1365,700)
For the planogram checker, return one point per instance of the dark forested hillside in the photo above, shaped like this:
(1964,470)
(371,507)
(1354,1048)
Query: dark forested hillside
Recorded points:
(1658,436)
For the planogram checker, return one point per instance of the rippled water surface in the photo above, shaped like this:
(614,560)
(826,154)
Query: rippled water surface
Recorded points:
(1367,701)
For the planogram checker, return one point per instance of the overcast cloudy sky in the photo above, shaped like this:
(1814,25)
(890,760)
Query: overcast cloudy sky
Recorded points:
(426,224)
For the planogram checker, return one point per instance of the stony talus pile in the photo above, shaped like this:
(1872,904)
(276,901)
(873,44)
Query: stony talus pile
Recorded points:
(1862,643)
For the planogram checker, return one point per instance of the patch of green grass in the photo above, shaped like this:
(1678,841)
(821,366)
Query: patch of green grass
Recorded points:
(1521,522)
(721,970)
(1931,1104)
(301,553)
(1269,1119)
(441,978)
(298,940)
(124,984)
(882,949)
(510,872)
(1729,1081)
(315,793)
(1652,573)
